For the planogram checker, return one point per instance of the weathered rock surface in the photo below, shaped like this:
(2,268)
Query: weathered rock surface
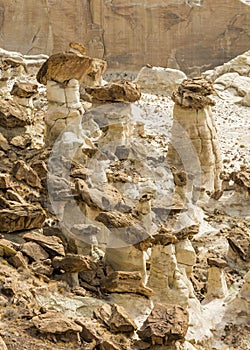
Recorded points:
(24,89)
(159,80)
(12,115)
(194,146)
(165,325)
(71,263)
(126,282)
(55,322)
(24,172)
(52,244)
(22,217)
(116,318)
(121,91)
(62,67)
(131,36)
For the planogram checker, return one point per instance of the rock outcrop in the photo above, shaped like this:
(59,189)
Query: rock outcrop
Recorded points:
(128,35)
(194,147)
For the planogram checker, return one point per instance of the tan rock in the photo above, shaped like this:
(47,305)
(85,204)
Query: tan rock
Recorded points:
(21,141)
(194,147)
(216,283)
(24,172)
(71,263)
(62,67)
(126,282)
(2,344)
(5,181)
(169,283)
(4,145)
(34,251)
(52,244)
(165,325)
(24,89)
(159,79)
(23,217)
(18,260)
(7,247)
(121,91)
(12,115)
(116,318)
(55,323)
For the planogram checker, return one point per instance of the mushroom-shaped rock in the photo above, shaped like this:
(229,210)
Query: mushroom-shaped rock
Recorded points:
(121,91)
(62,67)
(165,325)
(55,323)
(194,147)
(194,93)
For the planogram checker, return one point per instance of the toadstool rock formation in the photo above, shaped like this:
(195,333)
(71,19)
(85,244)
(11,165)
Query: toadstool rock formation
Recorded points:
(194,146)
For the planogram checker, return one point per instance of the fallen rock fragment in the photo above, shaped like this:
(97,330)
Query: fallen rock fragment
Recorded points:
(22,217)
(34,251)
(7,248)
(52,244)
(165,325)
(71,263)
(4,181)
(126,282)
(24,89)
(120,91)
(54,322)
(12,115)
(24,172)
(18,260)
(116,318)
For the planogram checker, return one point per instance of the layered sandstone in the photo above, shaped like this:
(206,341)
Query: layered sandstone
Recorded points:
(177,34)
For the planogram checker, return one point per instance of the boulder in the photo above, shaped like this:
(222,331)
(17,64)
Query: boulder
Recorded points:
(54,322)
(165,325)
(71,263)
(52,244)
(5,181)
(24,89)
(126,282)
(24,217)
(24,172)
(34,251)
(159,80)
(12,115)
(120,91)
(62,67)
(115,318)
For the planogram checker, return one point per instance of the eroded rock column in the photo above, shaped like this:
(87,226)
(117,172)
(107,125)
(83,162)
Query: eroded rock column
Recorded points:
(194,146)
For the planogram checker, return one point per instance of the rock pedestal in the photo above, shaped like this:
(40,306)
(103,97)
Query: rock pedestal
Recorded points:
(64,108)
(194,146)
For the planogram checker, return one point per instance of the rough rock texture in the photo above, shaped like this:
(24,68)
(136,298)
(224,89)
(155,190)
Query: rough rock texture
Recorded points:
(121,91)
(165,325)
(194,146)
(173,34)
(159,80)
(65,66)
(22,217)
(232,79)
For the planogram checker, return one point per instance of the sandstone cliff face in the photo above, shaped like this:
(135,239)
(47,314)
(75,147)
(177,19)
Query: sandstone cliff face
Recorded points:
(178,34)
